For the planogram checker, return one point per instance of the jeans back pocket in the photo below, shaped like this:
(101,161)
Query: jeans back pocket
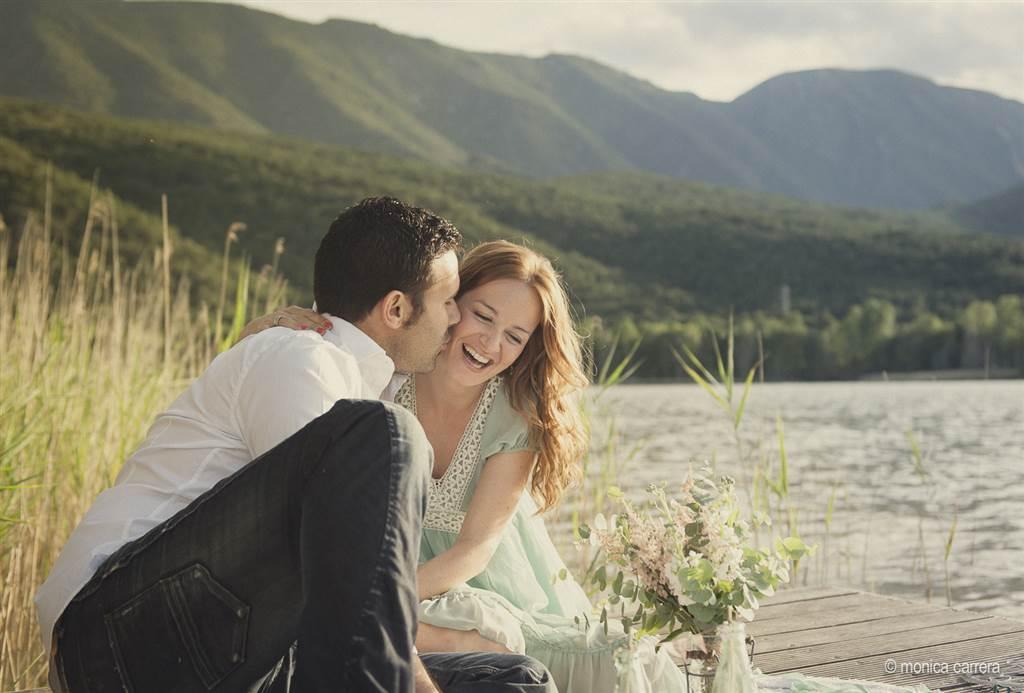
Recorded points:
(187,630)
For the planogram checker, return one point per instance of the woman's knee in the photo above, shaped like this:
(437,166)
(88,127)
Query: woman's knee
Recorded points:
(437,639)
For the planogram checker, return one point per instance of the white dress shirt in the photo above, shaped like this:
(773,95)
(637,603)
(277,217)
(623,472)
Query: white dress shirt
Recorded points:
(252,397)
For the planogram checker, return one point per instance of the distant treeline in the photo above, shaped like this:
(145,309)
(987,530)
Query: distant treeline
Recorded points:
(871,337)
(628,244)
(658,259)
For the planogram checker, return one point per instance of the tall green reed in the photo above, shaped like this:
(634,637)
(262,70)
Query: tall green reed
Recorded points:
(764,477)
(90,352)
(609,456)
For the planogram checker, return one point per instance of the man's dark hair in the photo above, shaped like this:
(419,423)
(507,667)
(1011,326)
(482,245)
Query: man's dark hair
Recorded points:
(376,246)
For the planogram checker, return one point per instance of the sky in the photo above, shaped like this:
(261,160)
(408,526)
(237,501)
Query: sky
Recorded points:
(720,49)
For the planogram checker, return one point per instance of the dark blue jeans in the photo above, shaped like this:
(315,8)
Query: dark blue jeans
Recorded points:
(314,543)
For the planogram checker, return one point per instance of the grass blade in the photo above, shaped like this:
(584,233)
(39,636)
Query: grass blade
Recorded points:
(747,384)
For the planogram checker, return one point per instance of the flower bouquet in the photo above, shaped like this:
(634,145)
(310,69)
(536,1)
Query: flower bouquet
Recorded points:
(680,567)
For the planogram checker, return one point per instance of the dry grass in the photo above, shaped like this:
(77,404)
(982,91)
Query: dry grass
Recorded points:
(90,352)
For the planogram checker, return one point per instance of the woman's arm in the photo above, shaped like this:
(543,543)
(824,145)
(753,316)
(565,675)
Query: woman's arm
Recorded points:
(292,317)
(497,494)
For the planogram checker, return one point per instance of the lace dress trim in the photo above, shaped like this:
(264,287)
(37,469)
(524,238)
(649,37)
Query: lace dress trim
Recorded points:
(445,496)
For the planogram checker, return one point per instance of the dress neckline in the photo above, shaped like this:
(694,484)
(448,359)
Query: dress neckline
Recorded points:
(483,403)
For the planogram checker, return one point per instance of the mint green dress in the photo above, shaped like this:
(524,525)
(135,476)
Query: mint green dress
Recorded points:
(518,600)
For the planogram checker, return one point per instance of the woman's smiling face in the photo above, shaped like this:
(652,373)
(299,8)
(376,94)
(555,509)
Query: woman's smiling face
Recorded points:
(498,318)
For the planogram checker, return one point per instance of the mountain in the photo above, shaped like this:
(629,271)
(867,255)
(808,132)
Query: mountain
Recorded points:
(630,244)
(1002,213)
(883,135)
(870,139)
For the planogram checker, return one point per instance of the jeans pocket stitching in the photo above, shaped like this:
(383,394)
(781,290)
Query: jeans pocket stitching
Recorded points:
(170,592)
(190,635)
(111,617)
(205,667)
(229,599)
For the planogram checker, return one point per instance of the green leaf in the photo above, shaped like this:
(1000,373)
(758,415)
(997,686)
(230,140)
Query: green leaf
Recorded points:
(697,364)
(952,533)
(730,361)
(673,635)
(18,443)
(783,460)
(830,508)
(722,374)
(793,548)
(746,393)
(241,305)
(696,377)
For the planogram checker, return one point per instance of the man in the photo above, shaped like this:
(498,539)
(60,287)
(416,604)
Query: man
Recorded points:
(278,501)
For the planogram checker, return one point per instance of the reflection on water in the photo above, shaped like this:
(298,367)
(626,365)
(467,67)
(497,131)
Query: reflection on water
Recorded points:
(890,525)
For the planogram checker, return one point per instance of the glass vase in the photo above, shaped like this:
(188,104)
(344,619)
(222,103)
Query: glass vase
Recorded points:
(629,670)
(726,664)
(734,673)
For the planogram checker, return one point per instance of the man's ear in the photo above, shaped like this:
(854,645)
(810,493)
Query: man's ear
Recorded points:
(395,309)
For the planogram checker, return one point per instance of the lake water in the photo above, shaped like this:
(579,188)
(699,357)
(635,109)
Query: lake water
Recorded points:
(890,525)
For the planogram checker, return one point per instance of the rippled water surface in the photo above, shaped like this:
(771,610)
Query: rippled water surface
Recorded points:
(891,524)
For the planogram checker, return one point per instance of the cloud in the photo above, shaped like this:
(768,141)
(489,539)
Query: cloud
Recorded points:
(721,49)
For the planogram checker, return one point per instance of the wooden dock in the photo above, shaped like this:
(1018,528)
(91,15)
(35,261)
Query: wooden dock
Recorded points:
(850,634)
(845,633)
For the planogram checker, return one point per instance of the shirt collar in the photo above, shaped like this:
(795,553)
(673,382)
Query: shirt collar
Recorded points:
(375,366)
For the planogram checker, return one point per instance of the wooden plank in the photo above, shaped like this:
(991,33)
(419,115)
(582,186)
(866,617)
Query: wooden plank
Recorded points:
(826,604)
(802,594)
(839,618)
(833,611)
(892,624)
(873,667)
(803,658)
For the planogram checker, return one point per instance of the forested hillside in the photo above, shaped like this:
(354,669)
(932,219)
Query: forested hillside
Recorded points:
(636,249)
(869,139)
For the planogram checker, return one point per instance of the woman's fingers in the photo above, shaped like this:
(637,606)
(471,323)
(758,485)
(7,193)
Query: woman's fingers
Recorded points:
(292,317)
(299,318)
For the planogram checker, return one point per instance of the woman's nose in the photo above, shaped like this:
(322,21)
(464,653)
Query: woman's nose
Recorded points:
(489,339)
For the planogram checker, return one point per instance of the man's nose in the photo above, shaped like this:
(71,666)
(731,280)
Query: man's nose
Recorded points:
(454,315)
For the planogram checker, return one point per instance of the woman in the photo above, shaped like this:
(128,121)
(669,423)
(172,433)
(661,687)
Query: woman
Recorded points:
(500,410)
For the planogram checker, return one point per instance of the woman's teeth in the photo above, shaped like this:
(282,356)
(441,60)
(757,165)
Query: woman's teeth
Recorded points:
(475,359)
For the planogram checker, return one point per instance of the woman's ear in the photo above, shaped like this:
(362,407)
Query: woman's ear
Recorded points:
(396,309)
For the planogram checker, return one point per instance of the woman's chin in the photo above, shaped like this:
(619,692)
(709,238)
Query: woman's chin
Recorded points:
(467,375)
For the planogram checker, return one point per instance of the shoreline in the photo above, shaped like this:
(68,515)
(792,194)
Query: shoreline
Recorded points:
(952,375)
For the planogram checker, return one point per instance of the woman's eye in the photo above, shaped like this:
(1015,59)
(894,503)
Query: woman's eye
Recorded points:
(515,340)
(483,317)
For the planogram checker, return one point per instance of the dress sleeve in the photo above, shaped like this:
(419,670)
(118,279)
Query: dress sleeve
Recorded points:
(517,442)
(506,430)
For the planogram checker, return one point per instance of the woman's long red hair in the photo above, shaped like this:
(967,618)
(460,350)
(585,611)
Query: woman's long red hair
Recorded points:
(545,382)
